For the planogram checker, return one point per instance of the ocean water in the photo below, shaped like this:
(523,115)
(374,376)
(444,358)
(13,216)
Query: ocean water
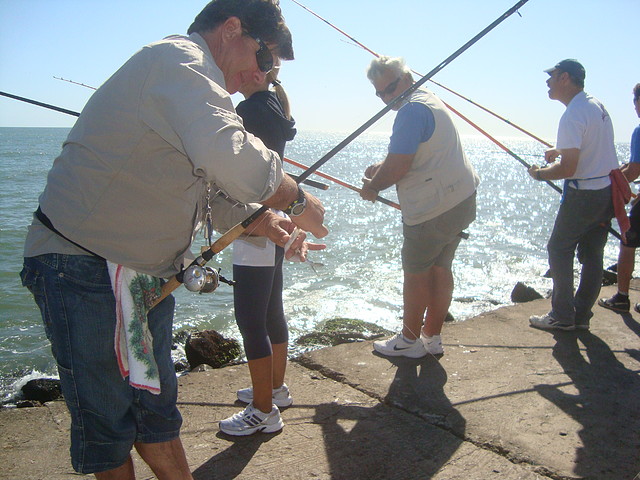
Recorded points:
(362,275)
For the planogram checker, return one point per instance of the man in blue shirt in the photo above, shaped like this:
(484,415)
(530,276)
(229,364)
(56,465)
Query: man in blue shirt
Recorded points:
(626,258)
(436,188)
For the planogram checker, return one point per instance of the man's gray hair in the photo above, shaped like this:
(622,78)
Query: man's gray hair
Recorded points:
(382,64)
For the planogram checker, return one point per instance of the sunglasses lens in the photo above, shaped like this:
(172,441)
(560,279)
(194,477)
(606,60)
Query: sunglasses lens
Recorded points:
(264,59)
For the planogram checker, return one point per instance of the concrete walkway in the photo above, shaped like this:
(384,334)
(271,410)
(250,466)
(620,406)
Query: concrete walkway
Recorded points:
(506,401)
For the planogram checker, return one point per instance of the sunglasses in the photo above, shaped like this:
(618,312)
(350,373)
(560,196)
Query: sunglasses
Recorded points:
(389,89)
(264,58)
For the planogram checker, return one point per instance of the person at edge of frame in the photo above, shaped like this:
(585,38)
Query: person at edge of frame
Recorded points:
(626,257)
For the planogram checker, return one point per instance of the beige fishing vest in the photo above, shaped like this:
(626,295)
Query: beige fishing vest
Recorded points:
(440,177)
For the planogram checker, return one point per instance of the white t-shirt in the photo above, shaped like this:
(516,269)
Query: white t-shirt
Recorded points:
(250,254)
(586,125)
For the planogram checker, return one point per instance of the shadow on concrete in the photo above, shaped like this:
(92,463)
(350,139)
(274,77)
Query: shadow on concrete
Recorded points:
(631,322)
(230,463)
(610,432)
(418,388)
(395,445)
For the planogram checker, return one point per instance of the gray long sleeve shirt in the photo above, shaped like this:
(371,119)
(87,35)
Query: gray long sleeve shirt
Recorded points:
(131,177)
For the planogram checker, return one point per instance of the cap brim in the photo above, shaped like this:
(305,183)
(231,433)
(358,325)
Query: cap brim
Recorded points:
(549,70)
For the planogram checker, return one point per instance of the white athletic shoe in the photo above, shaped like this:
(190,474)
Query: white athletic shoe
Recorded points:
(398,346)
(432,345)
(280,396)
(252,420)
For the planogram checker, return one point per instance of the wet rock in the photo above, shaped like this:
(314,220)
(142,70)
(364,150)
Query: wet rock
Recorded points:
(523,293)
(609,277)
(42,390)
(342,330)
(28,404)
(181,365)
(210,348)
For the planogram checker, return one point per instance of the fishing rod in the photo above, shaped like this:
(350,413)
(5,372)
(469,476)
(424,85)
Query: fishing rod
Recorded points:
(340,182)
(319,185)
(364,47)
(41,104)
(508,122)
(75,83)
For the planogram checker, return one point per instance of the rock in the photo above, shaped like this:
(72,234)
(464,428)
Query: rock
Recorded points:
(609,277)
(342,330)
(181,365)
(42,390)
(522,293)
(210,348)
(28,404)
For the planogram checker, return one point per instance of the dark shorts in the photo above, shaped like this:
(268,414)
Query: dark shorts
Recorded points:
(107,415)
(434,242)
(633,234)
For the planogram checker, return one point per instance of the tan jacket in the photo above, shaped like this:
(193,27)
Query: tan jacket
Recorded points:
(132,174)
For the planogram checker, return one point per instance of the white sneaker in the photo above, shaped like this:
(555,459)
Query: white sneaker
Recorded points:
(280,396)
(547,322)
(432,345)
(398,346)
(252,420)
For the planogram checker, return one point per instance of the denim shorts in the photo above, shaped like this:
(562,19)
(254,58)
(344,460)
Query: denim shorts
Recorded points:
(108,416)
(435,241)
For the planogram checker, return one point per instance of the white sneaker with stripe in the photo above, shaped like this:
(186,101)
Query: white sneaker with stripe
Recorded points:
(251,420)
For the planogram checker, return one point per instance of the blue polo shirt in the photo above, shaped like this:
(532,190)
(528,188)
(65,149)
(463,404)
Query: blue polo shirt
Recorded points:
(414,124)
(635,145)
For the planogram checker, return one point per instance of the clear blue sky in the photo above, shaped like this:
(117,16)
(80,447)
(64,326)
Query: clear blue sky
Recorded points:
(88,40)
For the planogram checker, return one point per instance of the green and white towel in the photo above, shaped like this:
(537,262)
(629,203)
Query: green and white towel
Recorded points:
(135,293)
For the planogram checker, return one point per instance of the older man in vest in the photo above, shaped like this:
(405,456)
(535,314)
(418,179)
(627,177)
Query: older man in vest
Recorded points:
(436,188)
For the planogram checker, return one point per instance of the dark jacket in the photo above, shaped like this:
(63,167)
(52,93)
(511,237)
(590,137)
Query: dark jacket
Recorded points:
(263,116)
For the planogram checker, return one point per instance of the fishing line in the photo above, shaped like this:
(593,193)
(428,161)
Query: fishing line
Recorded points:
(364,47)
(403,96)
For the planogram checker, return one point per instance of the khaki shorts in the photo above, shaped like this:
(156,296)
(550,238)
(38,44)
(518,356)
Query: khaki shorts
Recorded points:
(434,242)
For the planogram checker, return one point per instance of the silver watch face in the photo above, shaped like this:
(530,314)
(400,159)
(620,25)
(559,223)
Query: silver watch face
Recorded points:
(297,209)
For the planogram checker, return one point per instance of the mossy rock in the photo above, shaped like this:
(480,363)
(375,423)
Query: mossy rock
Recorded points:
(210,348)
(342,330)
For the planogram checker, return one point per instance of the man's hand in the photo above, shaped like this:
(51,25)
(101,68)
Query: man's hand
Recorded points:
(371,170)
(311,220)
(276,228)
(551,155)
(367,192)
(533,172)
(300,254)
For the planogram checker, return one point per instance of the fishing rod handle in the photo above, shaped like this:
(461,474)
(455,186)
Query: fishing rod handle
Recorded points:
(216,247)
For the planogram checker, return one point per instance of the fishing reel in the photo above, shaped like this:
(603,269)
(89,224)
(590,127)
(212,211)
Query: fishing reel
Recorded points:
(203,279)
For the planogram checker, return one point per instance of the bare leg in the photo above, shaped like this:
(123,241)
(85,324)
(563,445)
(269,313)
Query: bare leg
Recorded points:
(280,351)
(261,371)
(415,294)
(626,264)
(167,459)
(123,472)
(440,287)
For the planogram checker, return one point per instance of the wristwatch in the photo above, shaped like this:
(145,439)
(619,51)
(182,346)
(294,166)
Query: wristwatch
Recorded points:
(298,205)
